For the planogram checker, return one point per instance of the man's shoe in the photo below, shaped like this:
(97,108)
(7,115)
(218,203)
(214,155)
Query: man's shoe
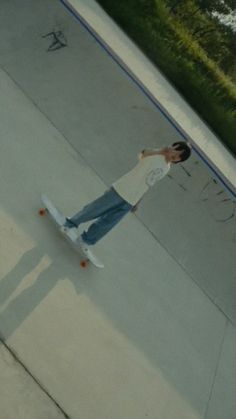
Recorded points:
(84,246)
(67,226)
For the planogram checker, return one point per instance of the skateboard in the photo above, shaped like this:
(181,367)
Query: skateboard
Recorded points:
(71,234)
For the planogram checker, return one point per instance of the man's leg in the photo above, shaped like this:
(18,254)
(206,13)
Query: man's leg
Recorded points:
(95,209)
(105,223)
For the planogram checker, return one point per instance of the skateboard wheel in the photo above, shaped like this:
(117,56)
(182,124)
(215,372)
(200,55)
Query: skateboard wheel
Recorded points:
(84,263)
(42,211)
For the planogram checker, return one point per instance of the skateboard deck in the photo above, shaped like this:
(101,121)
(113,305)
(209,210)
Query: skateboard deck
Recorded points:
(70,235)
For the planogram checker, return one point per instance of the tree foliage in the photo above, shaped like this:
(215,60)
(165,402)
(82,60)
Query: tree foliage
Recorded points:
(218,40)
(192,48)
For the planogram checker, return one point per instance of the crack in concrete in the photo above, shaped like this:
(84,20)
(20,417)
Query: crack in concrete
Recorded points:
(37,382)
(216,369)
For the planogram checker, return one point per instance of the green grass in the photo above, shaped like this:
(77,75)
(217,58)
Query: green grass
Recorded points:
(170,46)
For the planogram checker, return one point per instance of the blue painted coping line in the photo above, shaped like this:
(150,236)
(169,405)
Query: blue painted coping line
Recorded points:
(146,92)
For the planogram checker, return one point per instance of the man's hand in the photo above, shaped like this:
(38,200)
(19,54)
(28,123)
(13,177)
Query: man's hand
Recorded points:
(135,208)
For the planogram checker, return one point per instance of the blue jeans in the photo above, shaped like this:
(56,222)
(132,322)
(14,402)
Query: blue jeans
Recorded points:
(109,209)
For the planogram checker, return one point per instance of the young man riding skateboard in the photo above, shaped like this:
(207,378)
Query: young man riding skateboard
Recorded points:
(126,193)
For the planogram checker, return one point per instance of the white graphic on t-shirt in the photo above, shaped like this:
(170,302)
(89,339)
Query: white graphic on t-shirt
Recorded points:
(153,176)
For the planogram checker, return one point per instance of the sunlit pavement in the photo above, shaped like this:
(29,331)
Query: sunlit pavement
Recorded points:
(153,333)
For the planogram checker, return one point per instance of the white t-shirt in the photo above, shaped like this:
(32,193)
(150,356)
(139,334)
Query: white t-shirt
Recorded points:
(134,184)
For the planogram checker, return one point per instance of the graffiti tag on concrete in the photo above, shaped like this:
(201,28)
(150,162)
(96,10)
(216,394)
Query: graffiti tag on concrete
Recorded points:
(58,40)
(208,190)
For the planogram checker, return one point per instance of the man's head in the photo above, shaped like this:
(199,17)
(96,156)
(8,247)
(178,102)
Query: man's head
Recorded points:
(179,152)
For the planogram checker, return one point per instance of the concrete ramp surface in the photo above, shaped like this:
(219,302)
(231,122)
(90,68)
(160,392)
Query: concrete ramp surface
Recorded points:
(152,335)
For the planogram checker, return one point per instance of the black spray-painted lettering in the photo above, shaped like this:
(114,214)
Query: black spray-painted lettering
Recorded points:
(58,40)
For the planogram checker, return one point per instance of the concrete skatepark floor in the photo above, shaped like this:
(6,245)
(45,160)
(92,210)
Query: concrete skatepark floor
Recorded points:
(153,334)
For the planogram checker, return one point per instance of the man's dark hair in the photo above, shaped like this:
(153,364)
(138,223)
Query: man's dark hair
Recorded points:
(185,148)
